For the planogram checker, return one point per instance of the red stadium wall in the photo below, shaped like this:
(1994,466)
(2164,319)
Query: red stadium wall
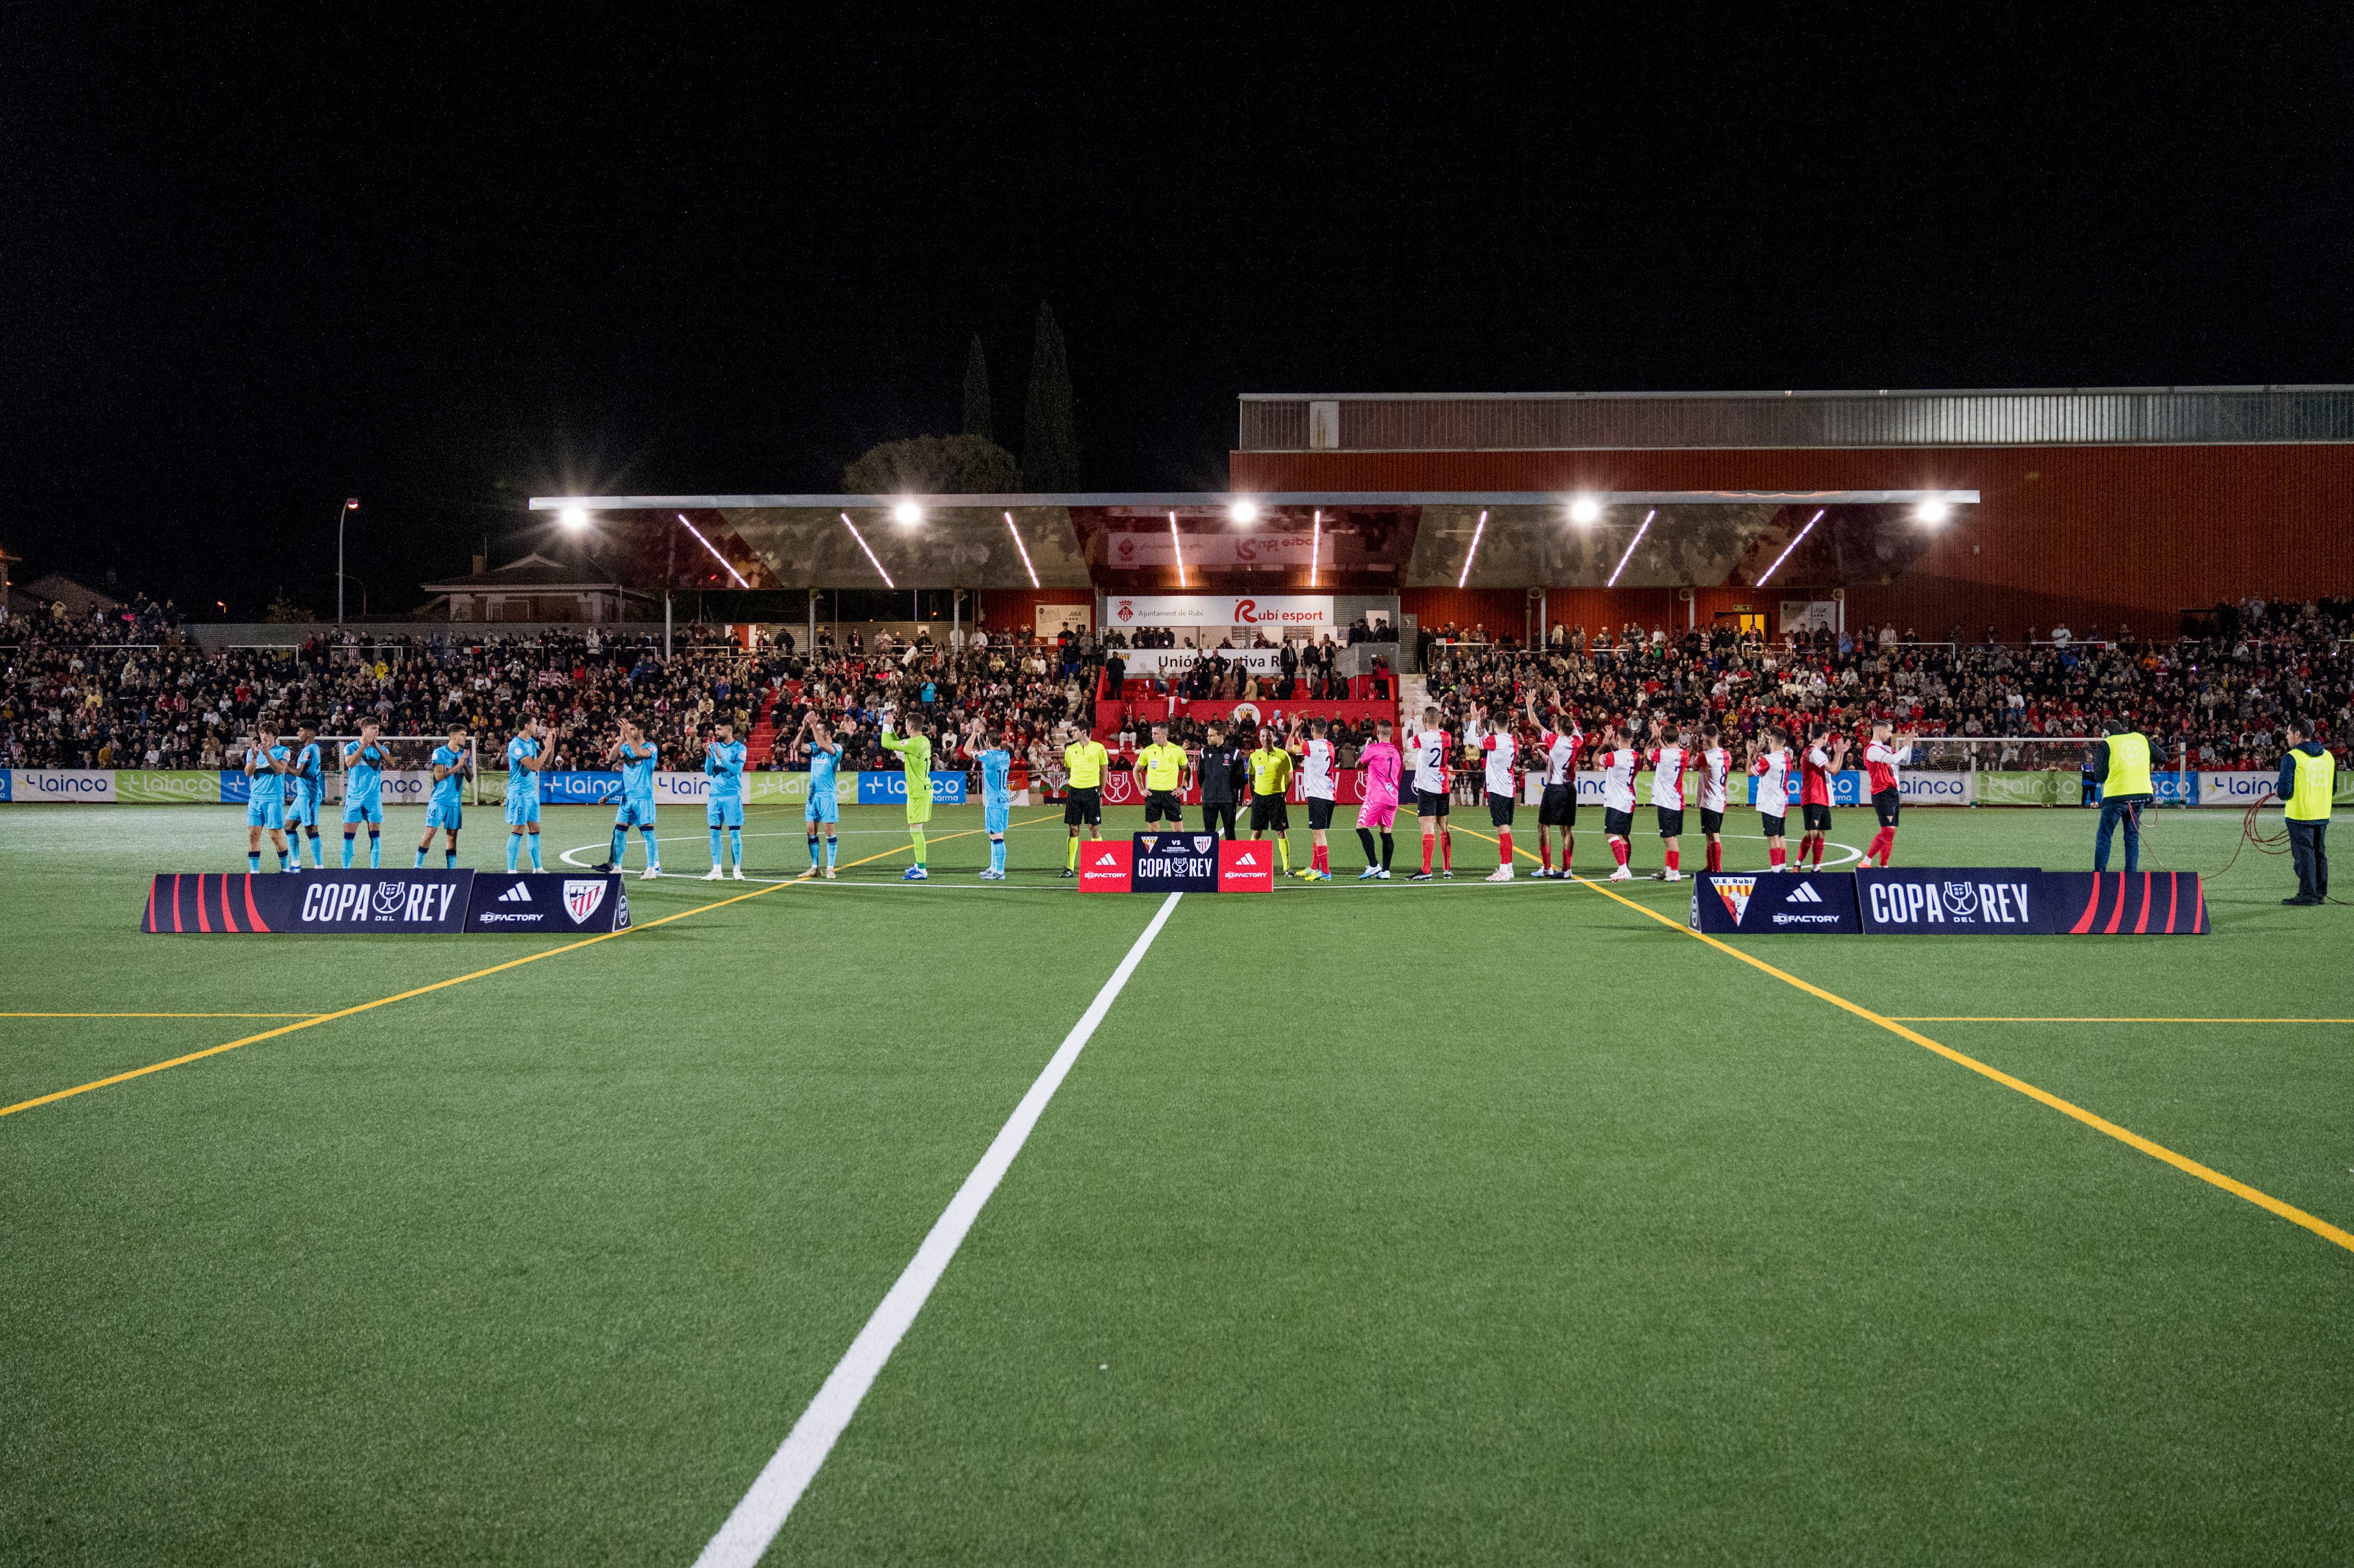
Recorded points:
(2091,535)
(1016,609)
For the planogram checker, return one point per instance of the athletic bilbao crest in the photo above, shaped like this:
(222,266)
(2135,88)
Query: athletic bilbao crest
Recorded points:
(1736,892)
(583,897)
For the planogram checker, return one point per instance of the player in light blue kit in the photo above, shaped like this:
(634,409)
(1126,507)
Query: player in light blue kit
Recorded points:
(821,810)
(364,764)
(447,810)
(528,754)
(987,746)
(306,786)
(265,773)
(723,759)
(636,755)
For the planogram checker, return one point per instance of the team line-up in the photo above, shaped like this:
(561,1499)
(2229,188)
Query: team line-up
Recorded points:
(1687,766)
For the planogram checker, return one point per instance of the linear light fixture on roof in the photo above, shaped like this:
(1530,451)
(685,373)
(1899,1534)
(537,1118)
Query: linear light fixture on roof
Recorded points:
(1177,548)
(1474,550)
(869,554)
(1791,546)
(714,552)
(1315,547)
(1630,555)
(1023,548)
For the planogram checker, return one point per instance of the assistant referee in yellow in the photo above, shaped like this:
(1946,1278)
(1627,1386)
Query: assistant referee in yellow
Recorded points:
(2308,777)
(1085,759)
(2121,762)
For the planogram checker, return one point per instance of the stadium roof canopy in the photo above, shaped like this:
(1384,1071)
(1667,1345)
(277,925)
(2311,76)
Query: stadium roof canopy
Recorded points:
(1152,542)
(1605,421)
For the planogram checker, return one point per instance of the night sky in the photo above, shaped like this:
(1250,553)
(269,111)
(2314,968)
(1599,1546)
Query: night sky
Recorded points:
(451,260)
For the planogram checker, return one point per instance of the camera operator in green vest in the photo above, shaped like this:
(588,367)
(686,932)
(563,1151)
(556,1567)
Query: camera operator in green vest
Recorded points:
(2121,762)
(2308,777)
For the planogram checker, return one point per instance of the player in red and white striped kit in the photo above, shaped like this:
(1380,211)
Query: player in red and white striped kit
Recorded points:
(1821,759)
(1880,763)
(1558,806)
(1620,763)
(1427,751)
(1669,759)
(1714,777)
(1770,766)
(1500,750)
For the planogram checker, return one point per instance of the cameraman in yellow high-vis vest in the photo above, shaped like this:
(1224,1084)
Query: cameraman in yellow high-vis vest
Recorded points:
(2308,777)
(2122,764)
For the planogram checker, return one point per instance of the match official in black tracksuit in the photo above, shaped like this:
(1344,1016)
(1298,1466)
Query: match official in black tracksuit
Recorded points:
(1222,769)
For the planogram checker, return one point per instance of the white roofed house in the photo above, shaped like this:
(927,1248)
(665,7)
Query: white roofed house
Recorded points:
(536,588)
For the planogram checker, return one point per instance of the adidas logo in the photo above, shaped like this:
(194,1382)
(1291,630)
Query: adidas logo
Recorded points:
(519,894)
(1803,893)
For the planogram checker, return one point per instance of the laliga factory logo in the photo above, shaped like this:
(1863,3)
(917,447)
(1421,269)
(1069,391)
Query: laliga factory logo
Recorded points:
(1102,856)
(1803,893)
(1247,612)
(1127,611)
(582,896)
(1736,892)
(1961,900)
(387,900)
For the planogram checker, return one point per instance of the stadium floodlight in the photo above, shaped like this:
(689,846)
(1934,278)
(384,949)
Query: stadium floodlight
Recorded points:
(574,518)
(1243,512)
(714,552)
(906,514)
(1474,550)
(1585,509)
(1178,548)
(870,553)
(1787,548)
(1017,545)
(1630,555)
(1933,510)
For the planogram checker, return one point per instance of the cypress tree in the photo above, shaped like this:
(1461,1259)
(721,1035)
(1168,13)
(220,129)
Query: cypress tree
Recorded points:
(1049,435)
(977,421)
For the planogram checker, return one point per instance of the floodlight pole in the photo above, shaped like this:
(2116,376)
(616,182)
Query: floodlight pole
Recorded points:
(349,506)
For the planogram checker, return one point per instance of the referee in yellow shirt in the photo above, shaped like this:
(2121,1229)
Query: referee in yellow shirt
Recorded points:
(1270,767)
(1085,759)
(1162,766)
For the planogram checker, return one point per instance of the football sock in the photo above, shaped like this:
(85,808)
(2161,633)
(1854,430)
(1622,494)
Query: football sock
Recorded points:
(1283,848)
(833,849)
(917,834)
(1774,858)
(653,853)
(419,863)
(1565,843)
(1618,849)
(1389,848)
(1503,846)
(1446,849)
(1675,860)
(1544,851)
(375,852)
(997,854)
(714,849)
(620,844)
(449,860)
(535,850)
(282,859)
(1365,837)
(347,853)
(515,848)
(1071,856)
(813,838)
(253,860)
(1427,840)
(736,846)
(1715,855)
(318,858)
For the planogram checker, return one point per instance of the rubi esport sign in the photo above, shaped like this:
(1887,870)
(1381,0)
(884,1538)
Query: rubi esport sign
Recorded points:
(1953,901)
(508,902)
(1723,904)
(309,902)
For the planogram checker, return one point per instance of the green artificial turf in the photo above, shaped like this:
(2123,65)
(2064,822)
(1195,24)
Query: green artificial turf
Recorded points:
(1378,1224)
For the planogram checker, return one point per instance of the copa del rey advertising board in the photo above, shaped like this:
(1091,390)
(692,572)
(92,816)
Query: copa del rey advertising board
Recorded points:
(1219,610)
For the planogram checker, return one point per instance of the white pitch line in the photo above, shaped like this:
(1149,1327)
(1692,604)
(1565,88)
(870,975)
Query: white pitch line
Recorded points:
(754,1525)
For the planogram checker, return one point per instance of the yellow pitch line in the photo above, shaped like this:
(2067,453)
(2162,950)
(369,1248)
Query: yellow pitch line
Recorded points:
(159,1015)
(314,1020)
(1903,1018)
(2183,1163)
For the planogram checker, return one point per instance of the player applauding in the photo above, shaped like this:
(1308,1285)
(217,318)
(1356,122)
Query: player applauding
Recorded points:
(1669,759)
(823,806)
(1620,763)
(1815,765)
(636,756)
(1385,771)
(265,804)
(722,807)
(1557,808)
(1714,775)
(306,787)
(529,755)
(1426,754)
(1501,749)
(1769,764)
(364,762)
(1881,760)
(987,746)
(447,810)
(1320,787)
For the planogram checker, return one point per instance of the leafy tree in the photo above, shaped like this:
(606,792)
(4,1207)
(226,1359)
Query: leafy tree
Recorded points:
(933,465)
(977,421)
(284,611)
(1050,433)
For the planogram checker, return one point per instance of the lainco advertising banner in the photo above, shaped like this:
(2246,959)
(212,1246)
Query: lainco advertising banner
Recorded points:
(281,903)
(1955,901)
(1783,901)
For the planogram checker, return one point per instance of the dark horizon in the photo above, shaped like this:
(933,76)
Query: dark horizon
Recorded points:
(444,270)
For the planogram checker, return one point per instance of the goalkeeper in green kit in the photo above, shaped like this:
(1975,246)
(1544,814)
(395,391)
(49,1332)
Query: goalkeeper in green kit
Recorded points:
(915,751)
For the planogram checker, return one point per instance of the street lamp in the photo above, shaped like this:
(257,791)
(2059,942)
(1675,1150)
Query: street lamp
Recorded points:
(344,511)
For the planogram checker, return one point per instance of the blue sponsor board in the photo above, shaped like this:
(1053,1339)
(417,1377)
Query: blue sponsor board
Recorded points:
(1955,901)
(891,788)
(1789,902)
(506,903)
(1174,863)
(237,790)
(383,903)
(579,789)
(5,795)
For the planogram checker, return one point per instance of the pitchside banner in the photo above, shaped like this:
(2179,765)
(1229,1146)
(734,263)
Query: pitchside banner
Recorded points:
(508,903)
(1785,901)
(1955,901)
(1174,863)
(2126,903)
(310,903)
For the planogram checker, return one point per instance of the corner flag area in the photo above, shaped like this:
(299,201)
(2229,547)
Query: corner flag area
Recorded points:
(863,1220)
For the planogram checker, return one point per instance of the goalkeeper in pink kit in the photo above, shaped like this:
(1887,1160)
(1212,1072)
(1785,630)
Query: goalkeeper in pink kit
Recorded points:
(1385,767)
